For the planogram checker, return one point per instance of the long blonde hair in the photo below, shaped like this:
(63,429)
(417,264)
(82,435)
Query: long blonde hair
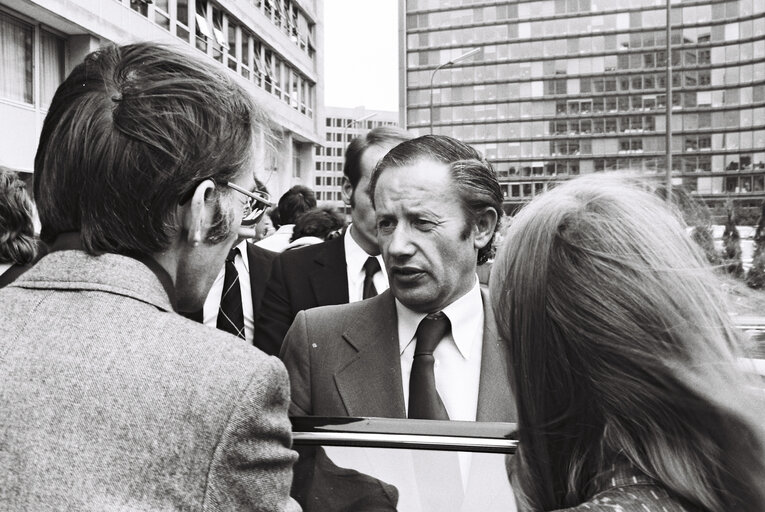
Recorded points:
(621,349)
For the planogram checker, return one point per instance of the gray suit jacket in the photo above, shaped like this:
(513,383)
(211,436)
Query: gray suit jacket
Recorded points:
(344,361)
(111,401)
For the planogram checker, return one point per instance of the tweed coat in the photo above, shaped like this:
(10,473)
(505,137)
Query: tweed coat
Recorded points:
(111,401)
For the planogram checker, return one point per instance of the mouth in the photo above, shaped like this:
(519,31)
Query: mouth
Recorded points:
(407,274)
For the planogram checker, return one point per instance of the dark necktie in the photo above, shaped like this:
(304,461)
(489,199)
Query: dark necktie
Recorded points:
(231,312)
(371,267)
(424,402)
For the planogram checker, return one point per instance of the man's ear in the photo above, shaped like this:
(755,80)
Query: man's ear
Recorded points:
(198,213)
(484,227)
(347,190)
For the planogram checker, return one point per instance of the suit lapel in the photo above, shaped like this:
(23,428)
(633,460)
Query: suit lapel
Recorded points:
(329,279)
(370,383)
(495,397)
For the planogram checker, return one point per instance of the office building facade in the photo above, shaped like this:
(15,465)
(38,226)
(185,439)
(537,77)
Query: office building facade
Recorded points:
(271,46)
(342,125)
(568,87)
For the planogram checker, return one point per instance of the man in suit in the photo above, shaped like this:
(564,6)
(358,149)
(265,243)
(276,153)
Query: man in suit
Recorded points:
(111,400)
(427,347)
(252,267)
(338,271)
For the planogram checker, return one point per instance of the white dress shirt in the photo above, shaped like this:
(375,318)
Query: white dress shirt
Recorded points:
(279,241)
(212,302)
(458,356)
(355,257)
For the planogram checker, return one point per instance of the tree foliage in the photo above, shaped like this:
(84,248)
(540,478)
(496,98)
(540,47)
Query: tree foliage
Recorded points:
(756,276)
(732,246)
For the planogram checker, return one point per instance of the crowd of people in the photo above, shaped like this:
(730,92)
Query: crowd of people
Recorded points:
(169,318)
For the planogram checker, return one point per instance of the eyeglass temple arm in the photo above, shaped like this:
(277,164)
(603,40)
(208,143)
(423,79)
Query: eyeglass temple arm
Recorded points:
(258,197)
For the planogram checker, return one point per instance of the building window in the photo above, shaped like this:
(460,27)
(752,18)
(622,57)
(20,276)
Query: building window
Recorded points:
(52,64)
(18,45)
(16,50)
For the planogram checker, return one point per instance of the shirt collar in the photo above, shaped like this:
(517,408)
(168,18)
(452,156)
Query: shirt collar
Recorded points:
(465,315)
(355,256)
(72,241)
(242,246)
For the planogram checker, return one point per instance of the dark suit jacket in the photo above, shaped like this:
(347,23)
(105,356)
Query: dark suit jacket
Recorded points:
(300,279)
(260,261)
(344,361)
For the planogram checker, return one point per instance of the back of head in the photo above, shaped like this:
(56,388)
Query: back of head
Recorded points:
(129,135)
(621,349)
(17,236)
(296,201)
(472,176)
(381,136)
(319,222)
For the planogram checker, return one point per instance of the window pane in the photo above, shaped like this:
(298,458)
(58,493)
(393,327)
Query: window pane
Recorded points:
(52,62)
(16,52)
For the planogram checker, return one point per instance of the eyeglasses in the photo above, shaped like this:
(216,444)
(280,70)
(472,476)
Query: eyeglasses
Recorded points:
(255,206)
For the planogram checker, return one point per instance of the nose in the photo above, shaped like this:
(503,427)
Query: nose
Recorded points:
(400,244)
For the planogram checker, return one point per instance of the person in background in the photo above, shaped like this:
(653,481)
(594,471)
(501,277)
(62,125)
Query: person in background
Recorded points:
(296,201)
(110,399)
(18,244)
(235,296)
(316,226)
(346,269)
(624,361)
(264,228)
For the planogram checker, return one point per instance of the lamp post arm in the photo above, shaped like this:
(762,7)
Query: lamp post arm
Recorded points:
(433,76)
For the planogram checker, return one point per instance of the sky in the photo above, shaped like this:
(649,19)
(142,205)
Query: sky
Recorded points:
(361,54)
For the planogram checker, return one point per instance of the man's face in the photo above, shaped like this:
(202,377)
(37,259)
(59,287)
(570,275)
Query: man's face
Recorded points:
(420,228)
(362,213)
(200,264)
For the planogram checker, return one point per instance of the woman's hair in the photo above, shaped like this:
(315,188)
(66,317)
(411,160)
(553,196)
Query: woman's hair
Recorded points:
(621,349)
(17,233)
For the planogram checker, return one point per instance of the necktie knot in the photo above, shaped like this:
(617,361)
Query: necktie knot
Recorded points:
(232,255)
(430,332)
(371,266)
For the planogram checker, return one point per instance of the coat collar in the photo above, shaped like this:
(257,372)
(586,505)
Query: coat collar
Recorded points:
(72,269)
(369,377)
(369,381)
(495,396)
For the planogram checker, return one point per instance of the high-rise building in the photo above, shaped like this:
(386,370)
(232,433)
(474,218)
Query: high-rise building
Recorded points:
(342,125)
(272,47)
(567,87)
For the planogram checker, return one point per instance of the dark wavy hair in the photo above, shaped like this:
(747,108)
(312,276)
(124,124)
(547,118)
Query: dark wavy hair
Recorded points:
(17,232)
(319,222)
(621,349)
(379,136)
(295,202)
(473,177)
(129,134)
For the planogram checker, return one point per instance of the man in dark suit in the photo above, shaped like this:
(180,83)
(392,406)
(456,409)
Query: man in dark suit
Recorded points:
(427,347)
(340,270)
(111,400)
(253,268)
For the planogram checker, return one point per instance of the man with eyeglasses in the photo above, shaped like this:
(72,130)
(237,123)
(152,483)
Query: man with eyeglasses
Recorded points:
(234,298)
(110,399)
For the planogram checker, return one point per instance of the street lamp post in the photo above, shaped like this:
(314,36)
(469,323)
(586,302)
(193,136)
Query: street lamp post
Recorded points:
(668,106)
(433,75)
